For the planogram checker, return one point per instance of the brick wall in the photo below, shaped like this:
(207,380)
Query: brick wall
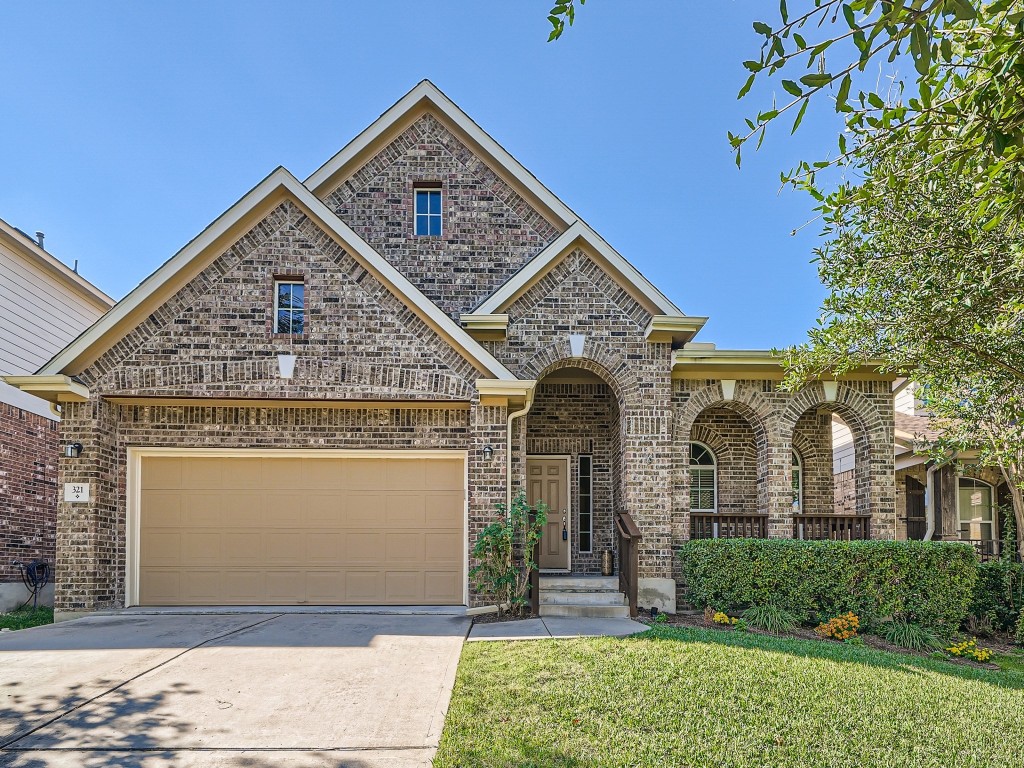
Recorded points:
(28,489)
(489,231)
(213,338)
(92,536)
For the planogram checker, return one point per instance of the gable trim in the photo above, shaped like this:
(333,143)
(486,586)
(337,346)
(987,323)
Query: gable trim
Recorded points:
(175,273)
(424,98)
(624,272)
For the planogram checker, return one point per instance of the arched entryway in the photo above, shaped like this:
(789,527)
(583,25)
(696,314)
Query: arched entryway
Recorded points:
(573,460)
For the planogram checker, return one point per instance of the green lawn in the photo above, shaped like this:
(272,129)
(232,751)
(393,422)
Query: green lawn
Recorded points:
(690,697)
(26,618)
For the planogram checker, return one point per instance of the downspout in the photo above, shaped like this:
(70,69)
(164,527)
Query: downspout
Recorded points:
(929,497)
(508,446)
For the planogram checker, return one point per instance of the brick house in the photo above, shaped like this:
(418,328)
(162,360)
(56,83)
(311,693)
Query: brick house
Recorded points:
(954,500)
(44,306)
(322,397)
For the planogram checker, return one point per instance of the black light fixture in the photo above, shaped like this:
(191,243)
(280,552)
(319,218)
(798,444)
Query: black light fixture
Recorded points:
(488,452)
(73,450)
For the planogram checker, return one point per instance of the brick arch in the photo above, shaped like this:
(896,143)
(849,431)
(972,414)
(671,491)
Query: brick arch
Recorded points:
(872,440)
(597,358)
(747,402)
(737,483)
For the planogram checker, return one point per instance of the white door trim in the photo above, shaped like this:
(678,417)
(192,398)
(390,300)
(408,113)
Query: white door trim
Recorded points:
(133,492)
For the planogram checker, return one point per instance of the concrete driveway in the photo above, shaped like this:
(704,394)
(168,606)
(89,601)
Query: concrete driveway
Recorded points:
(296,690)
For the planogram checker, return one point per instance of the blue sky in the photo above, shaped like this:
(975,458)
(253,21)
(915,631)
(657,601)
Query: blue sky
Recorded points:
(127,127)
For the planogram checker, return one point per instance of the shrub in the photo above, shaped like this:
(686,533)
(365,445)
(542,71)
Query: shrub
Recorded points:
(911,636)
(840,627)
(1019,634)
(770,618)
(926,583)
(504,553)
(998,595)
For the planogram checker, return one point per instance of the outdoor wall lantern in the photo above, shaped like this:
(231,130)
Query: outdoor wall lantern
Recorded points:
(488,452)
(73,450)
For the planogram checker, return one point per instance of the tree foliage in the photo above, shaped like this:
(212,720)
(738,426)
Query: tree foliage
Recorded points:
(931,294)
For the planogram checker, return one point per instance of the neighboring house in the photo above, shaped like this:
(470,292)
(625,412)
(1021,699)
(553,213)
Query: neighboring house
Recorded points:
(963,500)
(43,306)
(323,397)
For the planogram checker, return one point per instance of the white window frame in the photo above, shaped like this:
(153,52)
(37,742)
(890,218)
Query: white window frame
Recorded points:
(992,505)
(714,476)
(798,464)
(278,282)
(426,214)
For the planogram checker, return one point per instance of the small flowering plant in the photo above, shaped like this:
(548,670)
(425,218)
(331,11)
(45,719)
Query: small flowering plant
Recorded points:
(969,649)
(722,618)
(842,627)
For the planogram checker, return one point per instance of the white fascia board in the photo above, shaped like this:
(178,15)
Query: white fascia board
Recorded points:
(539,264)
(280,178)
(427,91)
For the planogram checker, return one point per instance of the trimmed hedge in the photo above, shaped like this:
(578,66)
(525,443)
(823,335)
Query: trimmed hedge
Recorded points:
(927,583)
(999,594)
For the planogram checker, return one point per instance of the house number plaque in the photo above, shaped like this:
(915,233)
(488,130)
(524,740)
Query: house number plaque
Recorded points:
(76,493)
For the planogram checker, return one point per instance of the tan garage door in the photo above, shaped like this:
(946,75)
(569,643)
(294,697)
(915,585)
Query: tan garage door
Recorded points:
(297,530)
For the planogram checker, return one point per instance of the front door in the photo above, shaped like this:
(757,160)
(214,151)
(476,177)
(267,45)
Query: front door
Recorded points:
(547,480)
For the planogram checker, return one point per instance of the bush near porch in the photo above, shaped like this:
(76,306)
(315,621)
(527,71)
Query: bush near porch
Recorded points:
(926,583)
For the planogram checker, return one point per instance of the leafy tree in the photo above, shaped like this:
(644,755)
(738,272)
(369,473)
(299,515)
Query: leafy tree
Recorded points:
(964,103)
(922,254)
(932,294)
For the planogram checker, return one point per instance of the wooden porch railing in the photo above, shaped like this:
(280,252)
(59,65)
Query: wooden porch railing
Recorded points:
(716,525)
(629,537)
(832,527)
(987,549)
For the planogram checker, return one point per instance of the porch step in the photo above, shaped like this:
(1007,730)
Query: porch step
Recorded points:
(582,597)
(586,611)
(579,583)
(576,597)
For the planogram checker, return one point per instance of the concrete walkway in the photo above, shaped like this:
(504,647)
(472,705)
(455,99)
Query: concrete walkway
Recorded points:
(255,690)
(554,626)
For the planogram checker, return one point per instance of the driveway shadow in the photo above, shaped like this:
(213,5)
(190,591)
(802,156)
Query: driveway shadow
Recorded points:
(31,717)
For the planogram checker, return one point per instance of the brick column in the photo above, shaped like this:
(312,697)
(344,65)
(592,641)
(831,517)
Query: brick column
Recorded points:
(486,478)
(90,539)
(777,476)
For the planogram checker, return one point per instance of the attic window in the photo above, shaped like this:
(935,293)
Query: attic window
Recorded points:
(428,211)
(289,307)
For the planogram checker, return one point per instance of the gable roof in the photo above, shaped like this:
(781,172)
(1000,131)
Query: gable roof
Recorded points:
(238,219)
(428,98)
(539,265)
(29,249)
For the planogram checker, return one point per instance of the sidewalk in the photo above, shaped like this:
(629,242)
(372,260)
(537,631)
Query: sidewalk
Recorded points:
(554,626)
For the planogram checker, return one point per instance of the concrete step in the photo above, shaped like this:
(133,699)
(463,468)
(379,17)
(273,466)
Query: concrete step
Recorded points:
(576,597)
(586,611)
(579,583)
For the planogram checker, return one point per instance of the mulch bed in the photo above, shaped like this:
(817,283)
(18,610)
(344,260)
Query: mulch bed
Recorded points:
(696,620)
(498,618)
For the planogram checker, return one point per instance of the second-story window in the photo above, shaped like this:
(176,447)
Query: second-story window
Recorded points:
(289,307)
(428,211)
